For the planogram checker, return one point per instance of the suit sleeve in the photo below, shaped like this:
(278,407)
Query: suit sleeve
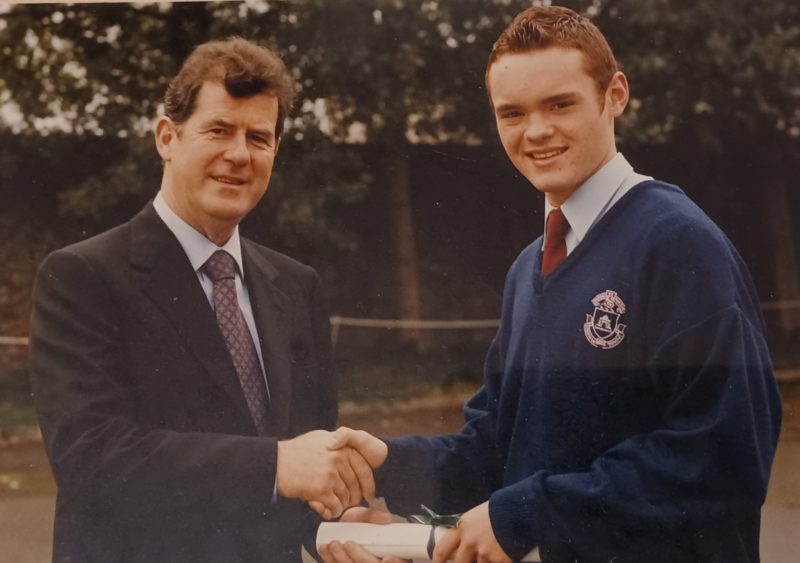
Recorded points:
(102,457)
(327,407)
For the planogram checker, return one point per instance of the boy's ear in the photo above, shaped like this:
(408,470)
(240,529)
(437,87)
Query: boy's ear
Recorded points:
(617,94)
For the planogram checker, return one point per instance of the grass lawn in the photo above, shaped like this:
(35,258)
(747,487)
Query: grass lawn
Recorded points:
(17,415)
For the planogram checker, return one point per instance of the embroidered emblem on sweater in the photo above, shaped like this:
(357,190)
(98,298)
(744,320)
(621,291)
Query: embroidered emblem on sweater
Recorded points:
(603,329)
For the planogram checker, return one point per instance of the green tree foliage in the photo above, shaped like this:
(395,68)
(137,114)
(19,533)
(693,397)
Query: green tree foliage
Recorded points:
(715,84)
(727,69)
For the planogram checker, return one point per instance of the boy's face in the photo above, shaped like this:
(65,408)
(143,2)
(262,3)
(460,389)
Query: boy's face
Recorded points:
(556,127)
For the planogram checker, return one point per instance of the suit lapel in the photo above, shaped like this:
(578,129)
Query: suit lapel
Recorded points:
(167,277)
(271,309)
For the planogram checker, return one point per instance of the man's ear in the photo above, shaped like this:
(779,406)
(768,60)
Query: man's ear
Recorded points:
(617,94)
(278,145)
(166,132)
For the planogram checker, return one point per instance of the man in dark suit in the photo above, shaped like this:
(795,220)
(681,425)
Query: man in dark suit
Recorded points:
(181,372)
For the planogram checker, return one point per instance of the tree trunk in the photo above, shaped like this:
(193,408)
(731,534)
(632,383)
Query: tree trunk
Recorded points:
(408,297)
(783,246)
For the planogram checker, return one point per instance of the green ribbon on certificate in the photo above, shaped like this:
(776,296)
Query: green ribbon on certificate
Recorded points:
(430,518)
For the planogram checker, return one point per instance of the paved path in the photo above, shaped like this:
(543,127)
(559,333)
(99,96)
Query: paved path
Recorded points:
(27,528)
(26,491)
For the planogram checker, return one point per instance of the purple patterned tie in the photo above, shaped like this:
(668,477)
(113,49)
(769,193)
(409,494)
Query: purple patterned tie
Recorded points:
(221,269)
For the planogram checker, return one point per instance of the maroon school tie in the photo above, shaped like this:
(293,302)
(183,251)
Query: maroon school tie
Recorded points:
(555,245)
(221,269)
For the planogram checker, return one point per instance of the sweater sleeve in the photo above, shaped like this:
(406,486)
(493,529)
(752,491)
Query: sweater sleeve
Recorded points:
(447,473)
(454,473)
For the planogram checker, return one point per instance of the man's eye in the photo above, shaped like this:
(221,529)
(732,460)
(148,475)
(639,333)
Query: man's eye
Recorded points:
(561,105)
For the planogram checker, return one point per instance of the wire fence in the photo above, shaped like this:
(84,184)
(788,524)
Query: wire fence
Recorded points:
(337,322)
(785,305)
(13,340)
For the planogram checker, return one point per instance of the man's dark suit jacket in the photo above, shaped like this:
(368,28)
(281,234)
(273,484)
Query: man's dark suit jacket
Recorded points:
(150,439)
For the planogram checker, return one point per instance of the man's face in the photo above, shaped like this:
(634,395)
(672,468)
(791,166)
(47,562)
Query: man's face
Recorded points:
(555,126)
(218,163)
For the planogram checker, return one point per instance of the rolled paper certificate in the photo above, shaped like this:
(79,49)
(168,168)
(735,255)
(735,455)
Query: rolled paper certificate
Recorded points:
(407,541)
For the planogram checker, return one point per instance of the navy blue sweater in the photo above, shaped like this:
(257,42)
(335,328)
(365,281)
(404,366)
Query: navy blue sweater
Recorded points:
(629,410)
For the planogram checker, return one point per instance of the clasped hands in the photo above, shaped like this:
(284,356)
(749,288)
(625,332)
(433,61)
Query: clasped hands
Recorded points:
(331,471)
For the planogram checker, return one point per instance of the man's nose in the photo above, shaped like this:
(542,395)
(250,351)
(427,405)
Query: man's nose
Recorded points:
(236,151)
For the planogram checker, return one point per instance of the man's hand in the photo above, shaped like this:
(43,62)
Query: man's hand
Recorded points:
(472,540)
(349,552)
(359,444)
(316,468)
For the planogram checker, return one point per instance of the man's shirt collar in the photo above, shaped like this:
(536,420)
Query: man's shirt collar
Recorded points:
(197,247)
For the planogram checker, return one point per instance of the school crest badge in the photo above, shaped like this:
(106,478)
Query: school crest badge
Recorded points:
(602,328)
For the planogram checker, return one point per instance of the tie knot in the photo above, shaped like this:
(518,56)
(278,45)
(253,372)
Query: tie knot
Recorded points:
(557,227)
(220,266)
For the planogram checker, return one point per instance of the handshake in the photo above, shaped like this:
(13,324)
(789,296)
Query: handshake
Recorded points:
(331,471)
